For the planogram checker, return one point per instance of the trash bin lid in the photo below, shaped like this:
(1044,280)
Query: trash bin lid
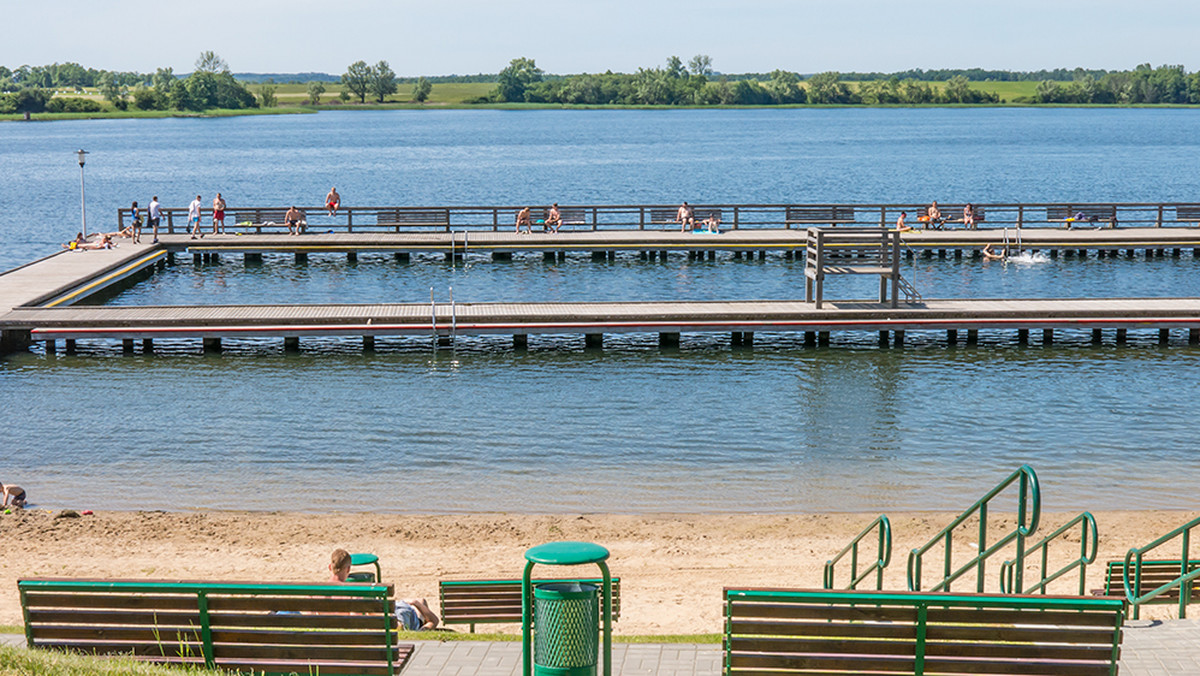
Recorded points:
(566,553)
(362,559)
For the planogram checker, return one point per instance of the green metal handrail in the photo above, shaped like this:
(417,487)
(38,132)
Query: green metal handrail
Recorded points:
(882,559)
(1087,554)
(1027,522)
(1136,554)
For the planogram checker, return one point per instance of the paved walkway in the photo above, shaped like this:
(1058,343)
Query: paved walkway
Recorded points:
(1150,648)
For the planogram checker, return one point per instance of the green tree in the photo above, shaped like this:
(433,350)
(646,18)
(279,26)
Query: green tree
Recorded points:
(162,80)
(145,98)
(516,78)
(958,90)
(357,80)
(828,88)
(180,96)
(112,91)
(344,96)
(383,81)
(421,90)
(31,99)
(700,64)
(315,89)
(209,62)
(266,95)
(785,87)
(675,69)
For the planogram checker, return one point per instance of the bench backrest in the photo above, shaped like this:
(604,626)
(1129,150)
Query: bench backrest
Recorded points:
(706,213)
(278,628)
(664,215)
(413,217)
(799,631)
(257,216)
(1190,212)
(823,214)
(1154,575)
(492,601)
(572,216)
(1102,212)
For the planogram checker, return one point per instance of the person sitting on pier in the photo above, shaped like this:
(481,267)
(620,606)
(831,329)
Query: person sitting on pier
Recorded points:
(413,614)
(969,217)
(933,217)
(990,254)
(79,241)
(553,219)
(332,201)
(902,224)
(523,219)
(292,218)
(14,493)
(686,217)
(712,224)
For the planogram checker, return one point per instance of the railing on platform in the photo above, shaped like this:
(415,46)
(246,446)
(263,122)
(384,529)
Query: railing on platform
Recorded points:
(662,217)
(1029,509)
(1087,554)
(883,556)
(1135,557)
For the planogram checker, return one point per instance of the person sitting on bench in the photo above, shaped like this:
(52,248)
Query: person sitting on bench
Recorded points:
(523,219)
(553,219)
(413,614)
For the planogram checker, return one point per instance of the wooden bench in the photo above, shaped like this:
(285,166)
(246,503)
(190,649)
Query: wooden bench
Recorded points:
(1189,213)
(1092,214)
(264,627)
(258,219)
(803,631)
(951,213)
(566,216)
(819,215)
(1154,575)
(413,218)
(494,601)
(851,251)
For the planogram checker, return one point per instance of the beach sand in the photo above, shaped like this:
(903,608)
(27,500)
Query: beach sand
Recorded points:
(672,567)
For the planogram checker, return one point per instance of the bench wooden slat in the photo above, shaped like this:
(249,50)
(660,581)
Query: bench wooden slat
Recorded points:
(165,618)
(888,631)
(303,667)
(297,604)
(1187,213)
(109,601)
(299,621)
(823,612)
(397,218)
(499,601)
(302,652)
(818,215)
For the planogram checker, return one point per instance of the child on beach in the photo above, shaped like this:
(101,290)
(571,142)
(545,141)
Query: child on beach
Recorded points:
(413,614)
(15,493)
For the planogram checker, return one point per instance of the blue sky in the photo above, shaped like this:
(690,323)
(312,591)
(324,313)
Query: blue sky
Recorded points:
(439,37)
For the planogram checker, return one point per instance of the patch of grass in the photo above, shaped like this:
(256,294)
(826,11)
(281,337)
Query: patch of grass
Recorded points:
(25,662)
(11,629)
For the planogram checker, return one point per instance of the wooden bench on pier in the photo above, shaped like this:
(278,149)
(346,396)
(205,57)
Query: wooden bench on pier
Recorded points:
(499,601)
(950,213)
(802,631)
(1092,214)
(260,219)
(820,215)
(413,218)
(852,251)
(264,627)
(1188,213)
(566,216)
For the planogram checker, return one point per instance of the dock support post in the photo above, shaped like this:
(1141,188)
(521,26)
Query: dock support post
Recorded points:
(810,338)
(1193,336)
(352,257)
(520,341)
(548,256)
(599,256)
(1122,336)
(883,338)
(1164,336)
(214,258)
(1054,253)
(291,344)
(972,336)
(735,338)
(147,346)
(212,345)
(251,258)
(170,258)
(712,255)
(70,345)
(368,343)
(747,339)
(957,254)
(127,346)
(668,339)
(593,341)
(612,256)
(501,256)
(1047,336)
(898,338)
(51,347)
(401,256)
(1097,336)
(197,259)
(301,258)
(1022,336)
(823,338)
(1130,253)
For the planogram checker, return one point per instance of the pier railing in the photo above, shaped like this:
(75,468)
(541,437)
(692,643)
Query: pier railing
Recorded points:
(1029,509)
(662,216)
(883,556)
(1135,557)
(1087,554)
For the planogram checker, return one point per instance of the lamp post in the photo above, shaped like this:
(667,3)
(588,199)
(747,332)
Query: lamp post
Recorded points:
(82,201)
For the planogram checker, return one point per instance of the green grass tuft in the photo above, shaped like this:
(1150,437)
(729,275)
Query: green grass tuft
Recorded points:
(24,662)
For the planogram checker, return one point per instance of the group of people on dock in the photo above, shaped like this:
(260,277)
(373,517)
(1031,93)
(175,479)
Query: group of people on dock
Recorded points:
(934,219)
(551,223)
(685,216)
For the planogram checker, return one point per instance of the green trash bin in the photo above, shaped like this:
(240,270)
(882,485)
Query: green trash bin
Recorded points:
(566,620)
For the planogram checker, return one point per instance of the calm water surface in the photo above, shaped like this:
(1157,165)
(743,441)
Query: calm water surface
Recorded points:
(632,428)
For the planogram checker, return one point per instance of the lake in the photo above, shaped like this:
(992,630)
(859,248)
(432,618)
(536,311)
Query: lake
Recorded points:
(632,428)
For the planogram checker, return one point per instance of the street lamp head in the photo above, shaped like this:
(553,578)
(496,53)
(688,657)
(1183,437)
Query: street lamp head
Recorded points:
(81,153)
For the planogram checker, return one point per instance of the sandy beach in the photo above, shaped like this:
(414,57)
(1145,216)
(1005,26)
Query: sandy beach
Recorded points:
(673,567)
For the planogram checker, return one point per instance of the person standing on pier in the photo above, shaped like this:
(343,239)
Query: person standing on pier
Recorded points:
(154,212)
(332,201)
(219,213)
(135,218)
(194,217)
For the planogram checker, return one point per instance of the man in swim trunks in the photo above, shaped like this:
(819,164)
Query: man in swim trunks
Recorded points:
(413,614)
(194,217)
(933,216)
(553,219)
(901,224)
(219,213)
(292,218)
(16,494)
(154,213)
(685,217)
(523,219)
(332,201)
